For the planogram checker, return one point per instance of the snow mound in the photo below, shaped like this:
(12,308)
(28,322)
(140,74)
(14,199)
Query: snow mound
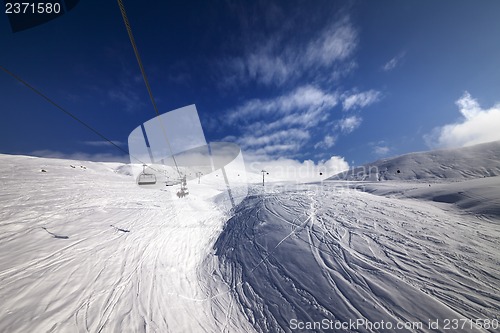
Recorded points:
(125,169)
(477,161)
(337,255)
(479,196)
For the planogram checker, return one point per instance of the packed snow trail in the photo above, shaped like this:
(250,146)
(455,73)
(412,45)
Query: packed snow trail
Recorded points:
(323,252)
(82,249)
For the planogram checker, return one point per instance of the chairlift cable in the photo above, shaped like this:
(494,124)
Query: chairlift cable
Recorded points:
(39,93)
(144,76)
(48,99)
(146,81)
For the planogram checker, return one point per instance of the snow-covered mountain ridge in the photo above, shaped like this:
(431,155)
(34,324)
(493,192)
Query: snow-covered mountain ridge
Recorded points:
(478,161)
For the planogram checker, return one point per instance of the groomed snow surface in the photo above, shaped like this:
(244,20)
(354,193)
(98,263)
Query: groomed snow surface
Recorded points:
(83,249)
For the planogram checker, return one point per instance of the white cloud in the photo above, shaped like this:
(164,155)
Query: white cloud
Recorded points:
(393,63)
(303,98)
(278,60)
(360,100)
(288,120)
(274,149)
(381,150)
(335,43)
(283,136)
(293,170)
(477,126)
(468,106)
(327,142)
(349,124)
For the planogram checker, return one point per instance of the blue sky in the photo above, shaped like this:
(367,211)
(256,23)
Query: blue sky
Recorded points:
(286,80)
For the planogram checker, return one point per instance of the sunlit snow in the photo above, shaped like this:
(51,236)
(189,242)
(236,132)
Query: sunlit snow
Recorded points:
(83,249)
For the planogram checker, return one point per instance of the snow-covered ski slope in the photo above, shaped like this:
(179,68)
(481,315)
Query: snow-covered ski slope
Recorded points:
(82,249)
(476,161)
(338,254)
(479,196)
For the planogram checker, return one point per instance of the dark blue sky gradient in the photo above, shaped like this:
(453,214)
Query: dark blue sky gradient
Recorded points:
(84,61)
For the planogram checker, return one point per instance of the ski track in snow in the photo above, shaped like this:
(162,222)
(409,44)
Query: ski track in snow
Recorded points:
(341,254)
(85,250)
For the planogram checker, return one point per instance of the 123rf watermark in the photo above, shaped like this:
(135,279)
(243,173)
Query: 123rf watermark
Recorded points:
(452,325)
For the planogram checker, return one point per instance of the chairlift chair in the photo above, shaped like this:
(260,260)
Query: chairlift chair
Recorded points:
(146,178)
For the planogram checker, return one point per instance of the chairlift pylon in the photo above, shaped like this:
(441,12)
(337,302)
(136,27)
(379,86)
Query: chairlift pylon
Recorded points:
(146,178)
(183,190)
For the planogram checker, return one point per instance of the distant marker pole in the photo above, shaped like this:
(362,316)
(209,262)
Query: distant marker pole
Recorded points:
(263,173)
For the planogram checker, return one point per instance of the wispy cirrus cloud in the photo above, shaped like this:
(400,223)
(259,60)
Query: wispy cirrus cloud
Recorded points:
(360,100)
(380,148)
(283,125)
(303,98)
(327,142)
(127,97)
(301,118)
(280,125)
(279,60)
(278,137)
(275,150)
(393,62)
(477,125)
(349,124)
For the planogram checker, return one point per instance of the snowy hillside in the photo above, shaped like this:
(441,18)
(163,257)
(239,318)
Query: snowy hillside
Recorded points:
(479,196)
(83,249)
(345,255)
(477,161)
